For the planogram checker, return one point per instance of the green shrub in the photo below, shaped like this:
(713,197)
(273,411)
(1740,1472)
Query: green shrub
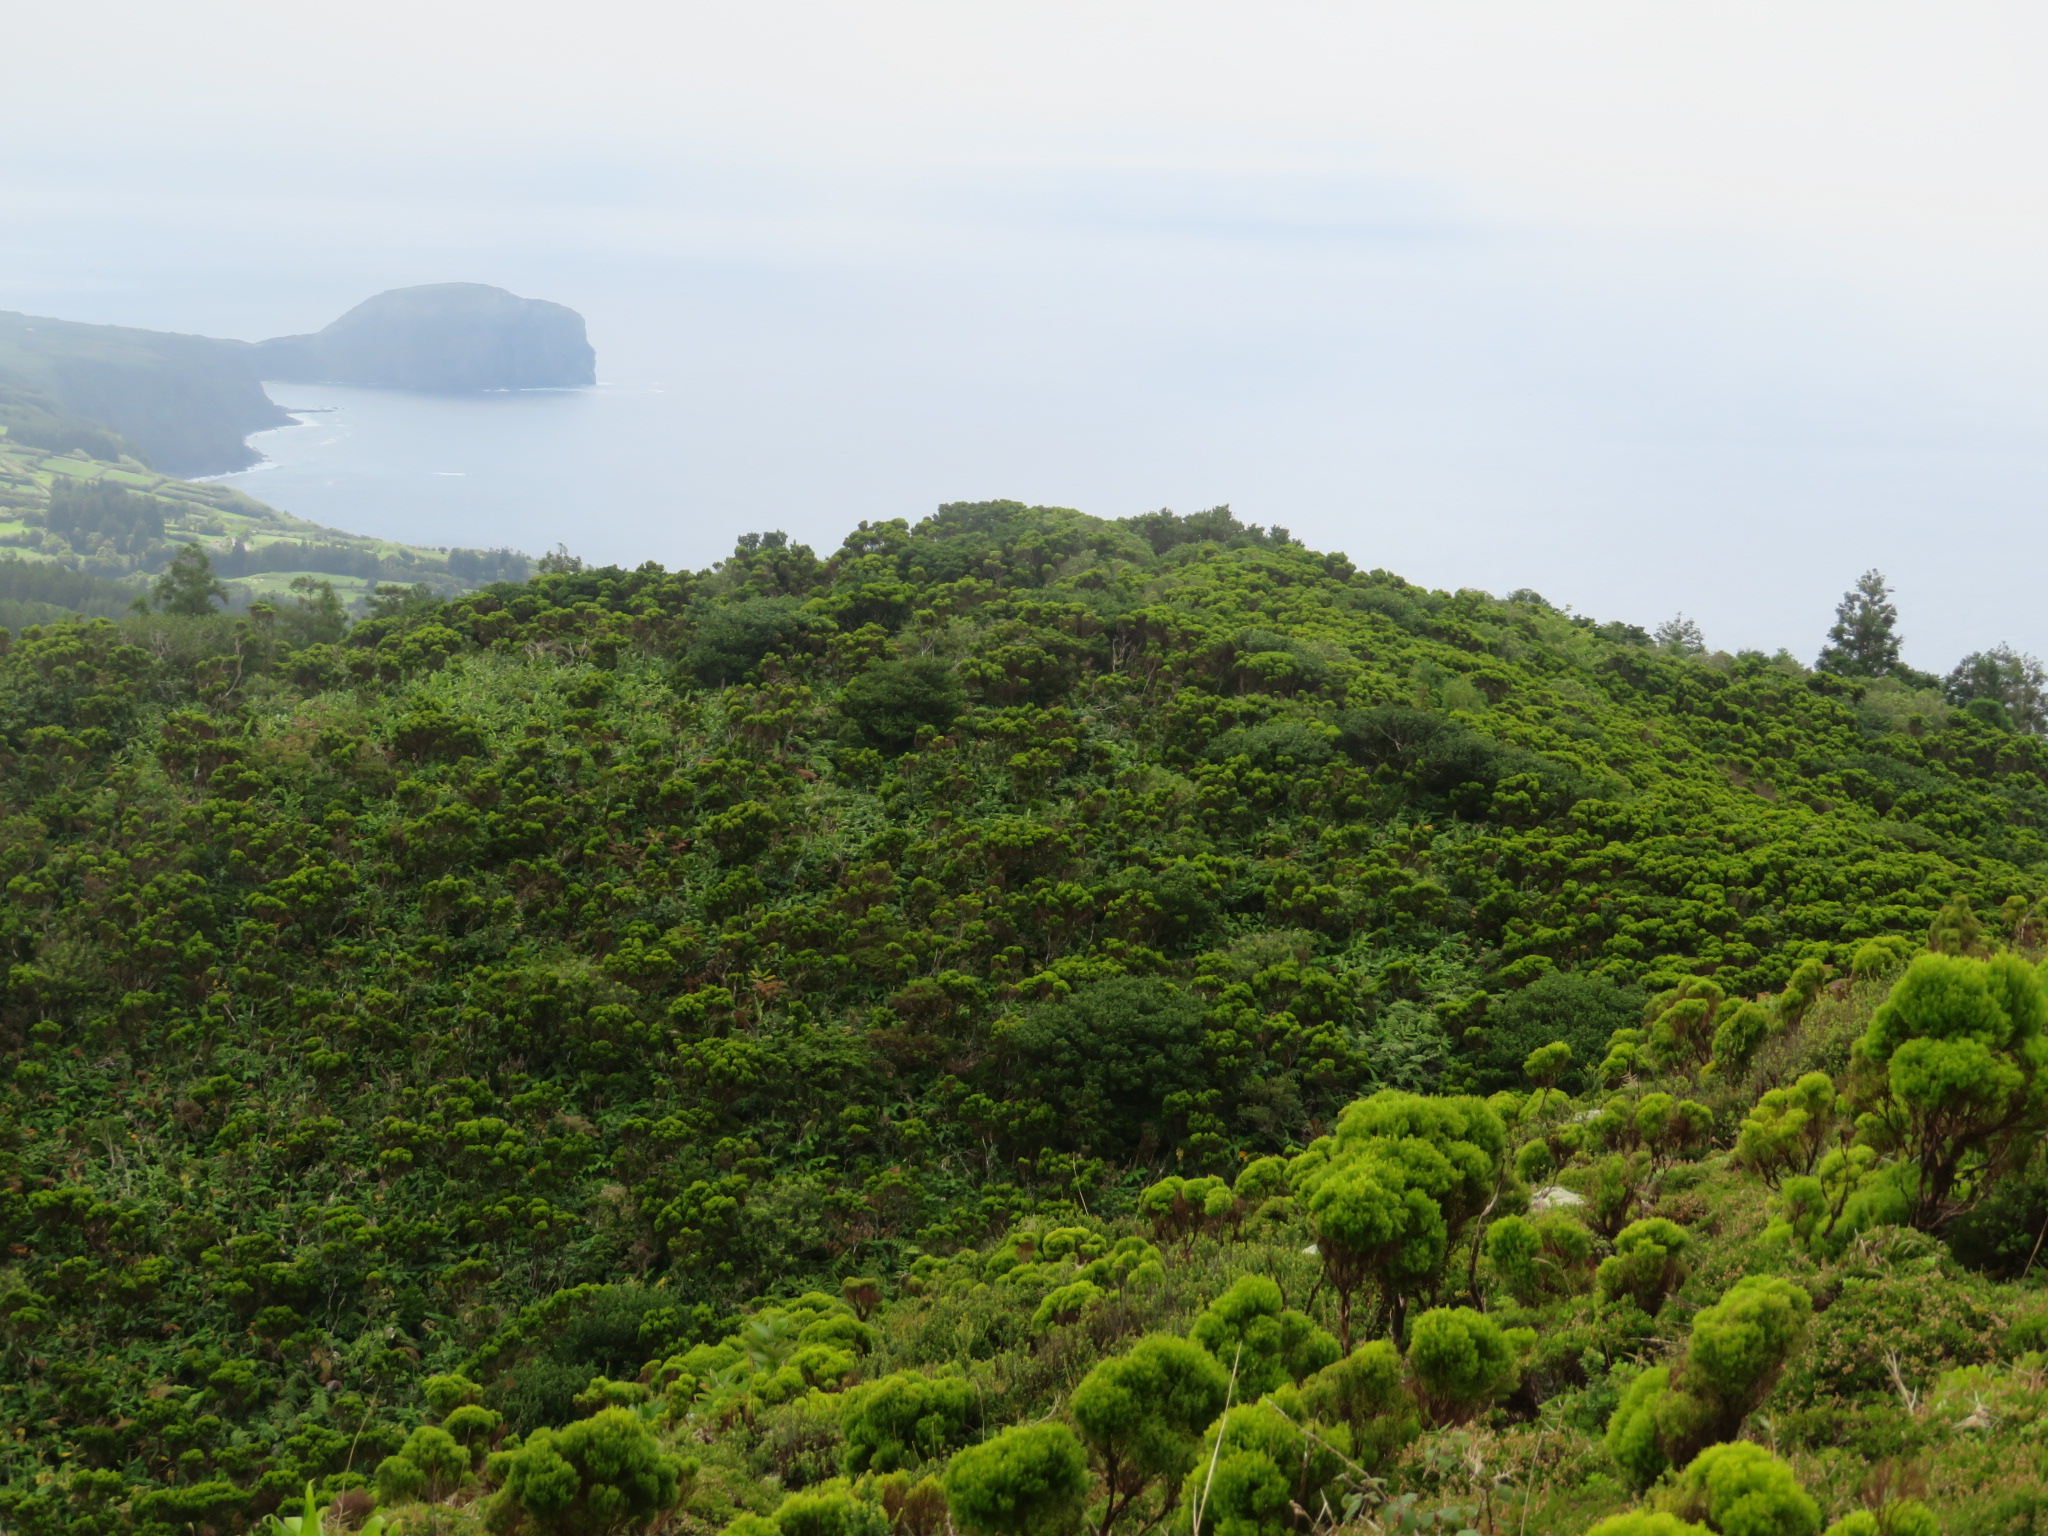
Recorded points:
(1462,1363)
(890,702)
(900,1420)
(1737,1350)
(1028,1481)
(597,1477)
(1649,1263)
(1142,1414)
(1365,1393)
(1740,1489)
(1247,1329)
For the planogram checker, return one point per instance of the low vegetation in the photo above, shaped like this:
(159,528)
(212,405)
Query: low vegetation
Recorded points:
(1027,1025)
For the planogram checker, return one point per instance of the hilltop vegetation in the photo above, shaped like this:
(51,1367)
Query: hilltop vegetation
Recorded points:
(1028,1022)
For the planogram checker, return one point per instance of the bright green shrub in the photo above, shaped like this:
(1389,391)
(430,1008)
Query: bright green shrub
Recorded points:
(445,1394)
(1736,1038)
(429,1465)
(1959,1045)
(1365,1392)
(1462,1363)
(1649,1263)
(1248,1329)
(1540,1260)
(1064,1304)
(1737,1350)
(1785,1134)
(1255,1466)
(1031,1480)
(1646,1522)
(597,1477)
(903,1419)
(1142,1413)
(1741,1489)
(830,1509)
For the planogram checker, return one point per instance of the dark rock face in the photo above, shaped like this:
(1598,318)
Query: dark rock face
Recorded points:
(441,337)
(184,403)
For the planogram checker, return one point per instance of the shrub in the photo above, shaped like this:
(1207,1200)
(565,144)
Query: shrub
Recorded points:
(1958,1046)
(1365,1393)
(1569,1008)
(1268,1344)
(890,702)
(1537,1261)
(901,1420)
(1648,1264)
(599,1476)
(1462,1363)
(1740,1489)
(829,1510)
(1028,1481)
(1737,1350)
(1142,1414)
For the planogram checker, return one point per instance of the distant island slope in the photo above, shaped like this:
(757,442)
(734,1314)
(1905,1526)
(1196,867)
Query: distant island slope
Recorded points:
(441,336)
(184,405)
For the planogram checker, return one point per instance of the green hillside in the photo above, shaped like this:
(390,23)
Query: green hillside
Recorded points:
(1026,1025)
(84,535)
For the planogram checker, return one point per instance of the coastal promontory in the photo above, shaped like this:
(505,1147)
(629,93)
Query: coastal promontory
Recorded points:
(449,337)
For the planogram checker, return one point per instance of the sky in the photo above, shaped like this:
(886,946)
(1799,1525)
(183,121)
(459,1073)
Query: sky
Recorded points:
(1651,307)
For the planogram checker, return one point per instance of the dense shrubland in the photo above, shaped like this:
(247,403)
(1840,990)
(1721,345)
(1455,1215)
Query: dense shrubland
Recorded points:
(1028,1025)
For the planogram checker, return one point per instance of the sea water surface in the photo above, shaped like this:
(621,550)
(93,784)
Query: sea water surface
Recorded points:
(1630,436)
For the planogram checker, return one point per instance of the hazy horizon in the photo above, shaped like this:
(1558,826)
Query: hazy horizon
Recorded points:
(1648,313)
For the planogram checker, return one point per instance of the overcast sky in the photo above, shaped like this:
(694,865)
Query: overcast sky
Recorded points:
(1752,266)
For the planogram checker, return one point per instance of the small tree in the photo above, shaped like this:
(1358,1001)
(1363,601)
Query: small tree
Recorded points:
(1957,1051)
(900,1420)
(188,585)
(1785,1134)
(1536,1261)
(1031,1480)
(1864,640)
(1142,1415)
(598,1477)
(1462,1364)
(892,701)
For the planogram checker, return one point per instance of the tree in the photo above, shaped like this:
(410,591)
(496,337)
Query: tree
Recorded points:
(1462,1363)
(316,616)
(1365,1393)
(1256,1468)
(597,1477)
(1785,1134)
(1572,1008)
(1143,1413)
(890,702)
(1737,1350)
(831,1509)
(1956,1052)
(429,1465)
(1536,1261)
(1864,641)
(1681,636)
(2010,682)
(1031,1480)
(733,637)
(188,585)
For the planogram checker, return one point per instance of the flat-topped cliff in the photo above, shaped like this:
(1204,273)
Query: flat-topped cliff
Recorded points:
(442,337)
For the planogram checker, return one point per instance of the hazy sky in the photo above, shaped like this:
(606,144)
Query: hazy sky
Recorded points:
(1649,306)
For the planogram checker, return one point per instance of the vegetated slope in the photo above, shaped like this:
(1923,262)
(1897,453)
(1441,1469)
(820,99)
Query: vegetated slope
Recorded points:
(183,403)
(538,984)
(85,534)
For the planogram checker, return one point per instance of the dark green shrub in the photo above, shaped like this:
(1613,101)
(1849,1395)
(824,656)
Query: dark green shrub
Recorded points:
(890,702)
(901,1420)
(1571,1008)
(598,1477)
